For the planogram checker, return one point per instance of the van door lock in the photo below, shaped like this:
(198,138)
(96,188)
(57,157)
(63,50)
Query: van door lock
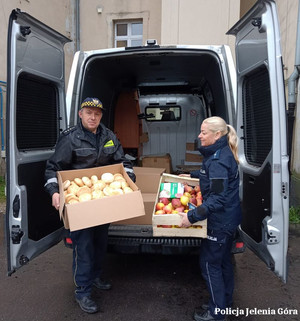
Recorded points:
(272,235)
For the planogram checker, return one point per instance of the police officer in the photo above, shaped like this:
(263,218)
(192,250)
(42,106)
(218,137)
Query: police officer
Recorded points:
(219,183)
(88,144)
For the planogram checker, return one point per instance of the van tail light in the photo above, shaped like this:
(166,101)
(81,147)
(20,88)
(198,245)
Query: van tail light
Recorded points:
(239,245)
(68,240)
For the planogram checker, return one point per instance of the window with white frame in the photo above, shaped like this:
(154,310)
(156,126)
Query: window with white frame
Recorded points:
(128,34)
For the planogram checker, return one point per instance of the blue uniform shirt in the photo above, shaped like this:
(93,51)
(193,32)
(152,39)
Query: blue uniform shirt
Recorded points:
(219,183)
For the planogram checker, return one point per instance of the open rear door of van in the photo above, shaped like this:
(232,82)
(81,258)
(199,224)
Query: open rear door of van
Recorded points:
(35,115)
(261,126)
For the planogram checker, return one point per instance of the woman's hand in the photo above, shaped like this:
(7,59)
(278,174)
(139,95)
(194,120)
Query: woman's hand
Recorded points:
(185,221)
(185,175)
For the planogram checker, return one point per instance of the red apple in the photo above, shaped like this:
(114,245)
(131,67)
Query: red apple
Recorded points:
(164,200)
(199,195)
(193,200)
(199,201)
(176,202)
(160,212)
(180,209)
(188,188)
(159,206)
(197,189)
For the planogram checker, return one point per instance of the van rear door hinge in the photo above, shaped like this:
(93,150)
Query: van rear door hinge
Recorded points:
(16,234)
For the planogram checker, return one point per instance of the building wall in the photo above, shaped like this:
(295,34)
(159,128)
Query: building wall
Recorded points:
(198,21)
(96,31)
(58,14)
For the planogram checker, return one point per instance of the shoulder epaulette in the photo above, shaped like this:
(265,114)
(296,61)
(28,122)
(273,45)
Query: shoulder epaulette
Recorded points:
(217,154)
(68,130)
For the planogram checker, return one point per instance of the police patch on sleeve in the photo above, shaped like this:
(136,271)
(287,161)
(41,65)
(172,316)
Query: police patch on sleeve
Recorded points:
(110,143)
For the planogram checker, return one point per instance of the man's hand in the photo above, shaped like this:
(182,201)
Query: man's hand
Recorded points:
(55,200)
(185,221)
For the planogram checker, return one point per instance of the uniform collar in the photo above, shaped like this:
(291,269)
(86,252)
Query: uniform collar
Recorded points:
(99,129)
(211,149)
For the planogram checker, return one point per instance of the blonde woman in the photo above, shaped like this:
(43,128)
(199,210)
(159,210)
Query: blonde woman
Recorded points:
(219,183)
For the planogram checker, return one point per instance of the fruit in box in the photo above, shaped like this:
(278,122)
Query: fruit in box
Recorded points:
(179,203)
(164,200)
(176,202)
(159,206)
(193,200)
(197,189)
(168,209)
(188,189)
(180,209)
(184,199)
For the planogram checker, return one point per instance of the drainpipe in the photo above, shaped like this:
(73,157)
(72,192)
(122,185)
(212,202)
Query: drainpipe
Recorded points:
(292,84)
(2,83)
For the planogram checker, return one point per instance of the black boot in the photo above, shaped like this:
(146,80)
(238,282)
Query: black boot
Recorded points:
(205,315)
(101,284)
(87,305)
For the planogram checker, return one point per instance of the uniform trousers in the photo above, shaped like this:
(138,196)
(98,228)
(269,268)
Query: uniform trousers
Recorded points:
(217,269)
(89,250)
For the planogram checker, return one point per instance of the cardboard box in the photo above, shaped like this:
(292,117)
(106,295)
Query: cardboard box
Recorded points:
(144,138)
(147,180)
(192,146)
(100,211)
(193,157)
(198,229)
(158,161)
(149,201)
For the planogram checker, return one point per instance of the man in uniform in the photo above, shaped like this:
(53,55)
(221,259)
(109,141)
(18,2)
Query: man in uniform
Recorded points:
(88,144)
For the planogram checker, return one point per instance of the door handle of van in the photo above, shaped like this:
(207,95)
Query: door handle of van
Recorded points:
(16,206)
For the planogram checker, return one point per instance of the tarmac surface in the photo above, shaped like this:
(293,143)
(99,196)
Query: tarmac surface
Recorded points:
(146,288)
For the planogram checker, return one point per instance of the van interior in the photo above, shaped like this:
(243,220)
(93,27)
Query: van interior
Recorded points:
(155,101)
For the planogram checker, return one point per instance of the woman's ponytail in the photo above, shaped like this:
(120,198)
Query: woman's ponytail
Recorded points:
(233,142)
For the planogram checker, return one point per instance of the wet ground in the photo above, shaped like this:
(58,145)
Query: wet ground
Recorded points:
(146,288)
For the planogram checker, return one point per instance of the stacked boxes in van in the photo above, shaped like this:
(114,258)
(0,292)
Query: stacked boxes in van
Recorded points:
(192,155)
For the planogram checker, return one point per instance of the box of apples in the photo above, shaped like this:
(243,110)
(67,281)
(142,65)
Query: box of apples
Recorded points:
(177,195)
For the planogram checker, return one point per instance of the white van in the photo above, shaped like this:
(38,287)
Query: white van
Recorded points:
(143,84)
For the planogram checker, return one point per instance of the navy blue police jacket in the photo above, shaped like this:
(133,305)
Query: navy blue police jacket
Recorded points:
(77,148)
(219,184)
